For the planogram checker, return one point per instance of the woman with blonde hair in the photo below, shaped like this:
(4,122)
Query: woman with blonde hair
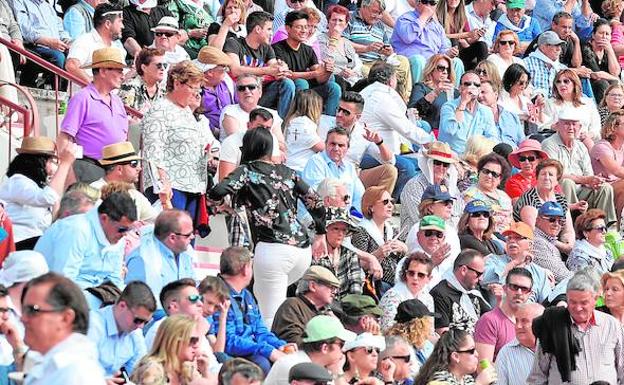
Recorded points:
(231,24)
(301,129)
(175,356)
(477,146)
(504,51)
(613,100)
(436,87)
(612,284)
(487,71)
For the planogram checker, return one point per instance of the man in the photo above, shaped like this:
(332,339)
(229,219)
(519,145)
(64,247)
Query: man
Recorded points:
(74,202)
(218,89)
(517,254)
(398,351)
(324,338)
(304,69)
(384,112)
(509,128)
(456,298)
(578,181)
(548,225)
(563,25)
(84,247)
(163,255)
(56,318)
(11,341)
(360,314)
(419,35)
(581,11)
(543,64)
(465,116)
(478,13)
(140,17)
(332,163)
(514,360)
(238,371)
(117,329)
(363,142)
(78,18)
(122,164)
(370,39)
(246,334)
(526,27)
(496,328)
(167,37)
(315,292)
(308,372)
(589,344)
(106,32)
(280,15)
(96,117)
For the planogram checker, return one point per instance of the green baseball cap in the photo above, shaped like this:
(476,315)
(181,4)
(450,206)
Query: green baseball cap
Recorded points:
(324,327)
(432,222)
(358,305)
(515,4)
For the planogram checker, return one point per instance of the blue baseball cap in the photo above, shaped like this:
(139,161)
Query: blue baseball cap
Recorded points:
(437,192)
(551,209)
(477,206)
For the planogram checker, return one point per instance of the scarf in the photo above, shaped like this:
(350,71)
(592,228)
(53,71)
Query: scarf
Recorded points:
(426,165)
(599,253)
(540,55)
(372,230)
(465,301)
(525,23)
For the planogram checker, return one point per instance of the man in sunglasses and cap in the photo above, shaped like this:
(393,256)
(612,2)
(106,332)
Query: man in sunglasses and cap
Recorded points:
(548,225)
(166,37)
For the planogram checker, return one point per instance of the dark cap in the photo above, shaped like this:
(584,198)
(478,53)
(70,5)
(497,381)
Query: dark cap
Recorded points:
(357,305)
(309,371)
(412,308)
(437,192)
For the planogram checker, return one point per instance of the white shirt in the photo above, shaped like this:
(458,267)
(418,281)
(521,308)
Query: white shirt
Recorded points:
(82,48)
(301,135)
(397,8)
(74,361)
(177,55)
(279,372)
(242,117)
(475,21)
(384,111)
(231,147)
(588,111)
(28,205)
(501,65)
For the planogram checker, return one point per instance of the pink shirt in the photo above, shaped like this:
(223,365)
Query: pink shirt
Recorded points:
(603,149)
(617,37)
(494,328)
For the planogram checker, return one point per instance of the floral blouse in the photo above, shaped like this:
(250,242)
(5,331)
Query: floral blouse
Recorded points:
(270,193)
(134,94)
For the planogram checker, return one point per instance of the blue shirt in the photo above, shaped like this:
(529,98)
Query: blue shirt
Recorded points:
(528,32)
(115,348)
(359,32)
(77,247)
(74,20)
(156,265)
(320,166)
(410,37)
(510,128)
(36,19)
(493,273)
(545,10)
(456,134)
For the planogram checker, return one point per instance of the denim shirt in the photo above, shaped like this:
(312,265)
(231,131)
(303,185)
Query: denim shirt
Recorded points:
(36,19)
(456,134)
(495,265)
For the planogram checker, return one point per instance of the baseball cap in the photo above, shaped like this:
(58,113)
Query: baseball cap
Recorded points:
(22,266)
(358,305)
(365,340)
(521,229)
(412,308)
(324,327)
(321,274)
(432,222)
(476,206)
(437,192)
(512,4)
(551,209)
(309,371)
(549,38)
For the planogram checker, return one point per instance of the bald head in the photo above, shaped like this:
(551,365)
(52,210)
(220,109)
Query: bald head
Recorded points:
(525,315)
(169,221)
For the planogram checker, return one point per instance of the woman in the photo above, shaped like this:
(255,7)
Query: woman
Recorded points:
(613,100)
(612,10)
(435,89)
(437,166)
(505,47)
(477,147)
(525,158)
(145,88)
(232,18)
(568,93)
(176,145)
(476,229)
(599,57)
(361,357)
(333,46)
(194,19)
(375,234)
(175,356)
(488,71)
(34,186)
(492,168)
(589,249)
(301,129)
(516,79)
(314,18)
(270,192)
(453,361)
(613,292)
(413,277)
(548,174)
(452,15)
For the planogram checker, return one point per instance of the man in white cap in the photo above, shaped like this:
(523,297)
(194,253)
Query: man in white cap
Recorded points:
(167,36)
(543,64)
(578,181)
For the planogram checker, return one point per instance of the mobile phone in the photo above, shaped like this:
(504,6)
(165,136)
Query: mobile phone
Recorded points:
(79,153)
(123,373)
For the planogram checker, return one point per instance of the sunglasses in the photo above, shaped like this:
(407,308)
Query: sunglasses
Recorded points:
(515,239)
(470,84)
(525,158)
(184,235)
(123,229)
(559,220)
(33,310)
(507,42)
(602,229)
(4,310)
(481,72)
(412,274)
(480,214)
(167,34)
(522,82)
(387,201)
(494,174)
(346,198)
(440,163)
(405,358)
(429,2)
(564,81)
(469,351)
(193,341)
(434,233)
(340,343)
(447,202)
(194,298)
(477,273)
(132,163)
(370,349)
(521,289)
(161,66)
(245,87)
(344,111)
(442,69)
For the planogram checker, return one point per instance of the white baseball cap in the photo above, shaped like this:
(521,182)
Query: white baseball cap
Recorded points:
(22,266)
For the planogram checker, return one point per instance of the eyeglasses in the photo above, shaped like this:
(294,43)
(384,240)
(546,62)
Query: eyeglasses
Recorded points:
(564,81)
(387,201)
(602,229)
(494,174)
(521,289)
(481,72)
(522,158)
(185,235)
(559,220)
(429,2)
(440,163)
(194,298)
(442,69)
(480,214)
(161,66)
(507,42)
(343,110)
(33,310)
(405,358)
(469,351)
(167,34)
(477,273)
(619,96)
(434,233)
(138,321)
(470,84)
(132,163)
(245,87)
(412,274)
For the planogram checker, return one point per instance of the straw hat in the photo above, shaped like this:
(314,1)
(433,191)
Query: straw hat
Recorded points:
(118,153)
(441,151)
(526,146)
(167,24)
(211,57)
(37,145)
(108,57)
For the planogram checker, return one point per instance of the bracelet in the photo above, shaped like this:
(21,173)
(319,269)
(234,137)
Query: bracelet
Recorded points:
(460,109)
(380,143)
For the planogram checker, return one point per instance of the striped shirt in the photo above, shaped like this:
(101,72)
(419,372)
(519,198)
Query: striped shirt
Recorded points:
(514,363)
(361,33)
(546,255)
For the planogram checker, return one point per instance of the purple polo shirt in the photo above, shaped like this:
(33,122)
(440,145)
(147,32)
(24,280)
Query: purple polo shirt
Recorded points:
(214,100)
(411,38)
(93,123)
